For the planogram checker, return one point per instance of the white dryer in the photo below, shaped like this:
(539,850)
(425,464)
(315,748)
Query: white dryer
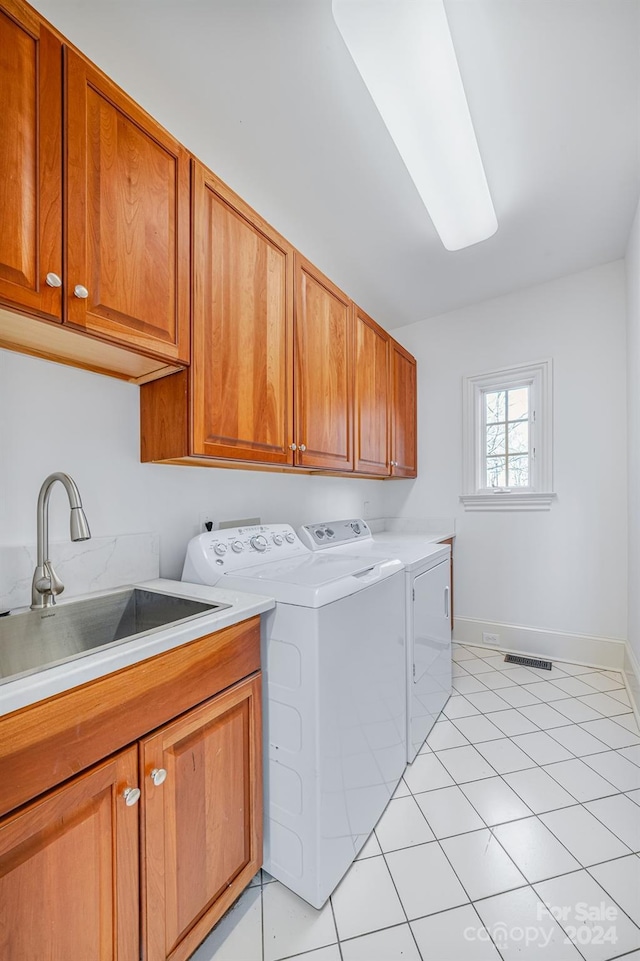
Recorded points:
(427,600)
(333,657)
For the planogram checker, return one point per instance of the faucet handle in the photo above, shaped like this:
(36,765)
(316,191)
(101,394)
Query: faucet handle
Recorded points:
(55,584)
(47,583)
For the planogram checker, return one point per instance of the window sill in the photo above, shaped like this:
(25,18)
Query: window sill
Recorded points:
(513,501)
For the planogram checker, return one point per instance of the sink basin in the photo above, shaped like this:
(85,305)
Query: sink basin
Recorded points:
(34,640)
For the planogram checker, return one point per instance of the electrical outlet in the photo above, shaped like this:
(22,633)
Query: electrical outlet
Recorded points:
(366,510)
(207,518)
(491,640)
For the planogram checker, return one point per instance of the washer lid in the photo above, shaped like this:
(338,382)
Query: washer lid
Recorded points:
(313,581)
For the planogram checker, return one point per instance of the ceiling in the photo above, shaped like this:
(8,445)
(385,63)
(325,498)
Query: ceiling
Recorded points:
(265,93)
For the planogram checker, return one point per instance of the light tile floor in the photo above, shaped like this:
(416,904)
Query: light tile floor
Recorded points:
(526,794)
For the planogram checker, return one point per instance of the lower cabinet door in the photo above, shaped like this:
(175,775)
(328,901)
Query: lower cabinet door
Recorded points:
(202,818)
(69,870)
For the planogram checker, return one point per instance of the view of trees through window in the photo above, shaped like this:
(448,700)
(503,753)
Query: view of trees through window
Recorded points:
(507,437)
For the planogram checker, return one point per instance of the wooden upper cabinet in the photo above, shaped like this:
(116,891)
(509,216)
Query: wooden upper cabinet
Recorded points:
(30,162)
(323,371)
(202,826)
(403,413)
(127,218)
(69,870)
(242,369)
(371,396)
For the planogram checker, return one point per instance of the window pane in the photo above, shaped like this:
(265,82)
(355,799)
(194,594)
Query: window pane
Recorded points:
(496,472)
(495,439)
(495,405)
(518,403)
(519,471)
(518,438)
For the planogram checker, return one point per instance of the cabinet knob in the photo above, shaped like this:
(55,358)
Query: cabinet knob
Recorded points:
(53,280)
(131,796)
(302,447)
(394,463)
(293,446)
(158,776)
(81,291)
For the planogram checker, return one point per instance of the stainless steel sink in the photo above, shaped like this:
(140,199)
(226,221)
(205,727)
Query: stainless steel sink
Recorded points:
(37,639)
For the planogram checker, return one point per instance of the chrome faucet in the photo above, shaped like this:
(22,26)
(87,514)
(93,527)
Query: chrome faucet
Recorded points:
(46,583)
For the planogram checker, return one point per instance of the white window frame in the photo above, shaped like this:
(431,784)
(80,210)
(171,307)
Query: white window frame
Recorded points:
(539,494)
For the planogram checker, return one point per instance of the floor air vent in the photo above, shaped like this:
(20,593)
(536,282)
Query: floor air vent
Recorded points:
(528,662)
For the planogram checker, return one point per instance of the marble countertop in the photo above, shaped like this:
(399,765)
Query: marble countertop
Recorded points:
(19,692)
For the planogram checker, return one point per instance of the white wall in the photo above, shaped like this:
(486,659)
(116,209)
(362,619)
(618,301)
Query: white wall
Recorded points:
(56,418)
(633,401)
(563,570)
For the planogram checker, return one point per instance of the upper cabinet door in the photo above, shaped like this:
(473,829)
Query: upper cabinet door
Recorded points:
(323,371)
(30,163)
(371,408)
(404,461)
(242,383)
(127,218)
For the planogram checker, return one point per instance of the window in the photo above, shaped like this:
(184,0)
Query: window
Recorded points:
(507,439)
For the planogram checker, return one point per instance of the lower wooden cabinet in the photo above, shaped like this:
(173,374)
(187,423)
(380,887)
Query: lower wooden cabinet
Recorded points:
(69,870)
(139,855)
(201,819)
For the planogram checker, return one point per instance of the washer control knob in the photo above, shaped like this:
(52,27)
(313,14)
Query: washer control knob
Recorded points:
(329,532)
(237,547)
(319,533)
(220,549)
(277,539)
(259,543)
(289,537)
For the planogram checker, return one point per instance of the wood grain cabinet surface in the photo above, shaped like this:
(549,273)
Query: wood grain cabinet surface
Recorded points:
(241,377)
(86,876)
(112,261)
(30,162)
(404,455)
(127,218)
(372,395)
(323,371)
(69,870)
(202,826)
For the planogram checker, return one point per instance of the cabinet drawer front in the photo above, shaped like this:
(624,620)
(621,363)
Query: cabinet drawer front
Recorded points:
(243,328)
(127,218)
(202,831)
(69,870)
(30,164)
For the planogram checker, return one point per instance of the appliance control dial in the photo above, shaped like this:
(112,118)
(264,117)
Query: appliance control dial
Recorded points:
(277,539)
(329,532)
(289,537)
(319,533)
(237,547)
(220,549)
(259,542)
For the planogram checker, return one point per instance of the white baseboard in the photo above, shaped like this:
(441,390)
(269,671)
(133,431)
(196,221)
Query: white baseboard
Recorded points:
(631,673)
(601,652)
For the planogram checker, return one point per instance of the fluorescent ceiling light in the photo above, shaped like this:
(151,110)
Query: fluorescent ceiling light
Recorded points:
(404,52)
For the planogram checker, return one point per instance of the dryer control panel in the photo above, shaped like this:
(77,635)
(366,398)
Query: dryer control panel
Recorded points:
(333,533)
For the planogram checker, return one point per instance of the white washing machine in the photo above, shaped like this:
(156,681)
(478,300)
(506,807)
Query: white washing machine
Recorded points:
(427,597)
(333,657)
